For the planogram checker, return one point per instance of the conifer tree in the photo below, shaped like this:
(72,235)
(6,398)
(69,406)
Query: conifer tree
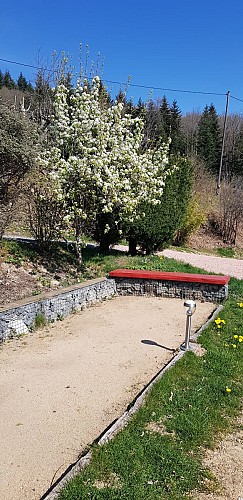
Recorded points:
(165,116)
(8,81)
(209,141)
(22,83)
(177,145)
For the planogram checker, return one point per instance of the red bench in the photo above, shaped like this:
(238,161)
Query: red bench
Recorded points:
(168,276)
(208,287)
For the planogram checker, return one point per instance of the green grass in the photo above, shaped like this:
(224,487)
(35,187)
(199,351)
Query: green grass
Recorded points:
(190,403)
(226,252)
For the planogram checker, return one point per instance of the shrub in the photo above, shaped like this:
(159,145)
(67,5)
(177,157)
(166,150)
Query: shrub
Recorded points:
(157,224)
(45,211)
(231,209)
(194,219)
(18,140)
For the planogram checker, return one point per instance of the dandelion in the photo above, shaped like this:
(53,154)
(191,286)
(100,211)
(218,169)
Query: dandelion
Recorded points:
(236,336)
(219,322)
(228,389)
(226,345)
(240,338)
(240,304)
(234,346)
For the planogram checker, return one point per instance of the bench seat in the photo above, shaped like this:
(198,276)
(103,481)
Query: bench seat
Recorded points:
(205,287)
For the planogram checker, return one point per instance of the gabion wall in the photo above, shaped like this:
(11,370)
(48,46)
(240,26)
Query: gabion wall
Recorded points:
(19,318)
(53,306)
(176,289)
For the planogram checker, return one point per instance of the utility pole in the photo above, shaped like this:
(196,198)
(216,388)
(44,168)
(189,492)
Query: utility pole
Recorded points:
(223,141)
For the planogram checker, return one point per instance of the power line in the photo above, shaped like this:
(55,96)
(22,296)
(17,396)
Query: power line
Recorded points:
(236,98)
(151,87)
(165,89)
(26,65)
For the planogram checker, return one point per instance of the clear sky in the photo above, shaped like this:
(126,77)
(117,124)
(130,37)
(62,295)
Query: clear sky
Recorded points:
(192,45)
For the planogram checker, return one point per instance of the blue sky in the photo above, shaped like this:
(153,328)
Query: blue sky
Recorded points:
(177,44)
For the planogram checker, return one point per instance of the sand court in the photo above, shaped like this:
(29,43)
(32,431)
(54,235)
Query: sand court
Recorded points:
(62,385)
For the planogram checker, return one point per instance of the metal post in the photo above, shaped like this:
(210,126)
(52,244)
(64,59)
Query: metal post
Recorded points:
(191,305)
(188,331)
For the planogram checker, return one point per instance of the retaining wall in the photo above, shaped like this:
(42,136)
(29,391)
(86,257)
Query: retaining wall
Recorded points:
(178,289)
(18,318)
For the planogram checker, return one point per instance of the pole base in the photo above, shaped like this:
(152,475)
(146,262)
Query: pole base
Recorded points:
(183,347)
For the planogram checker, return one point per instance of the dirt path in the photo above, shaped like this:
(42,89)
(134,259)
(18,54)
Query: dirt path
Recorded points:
(211,263)
(226,463)
(60,387)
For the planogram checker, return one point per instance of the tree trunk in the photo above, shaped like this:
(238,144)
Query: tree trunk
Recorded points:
(132,246)
(104,245)
(78,245)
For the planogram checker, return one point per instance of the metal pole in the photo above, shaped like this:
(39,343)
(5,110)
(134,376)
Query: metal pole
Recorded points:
(188,330)
(191,305)
(223,141)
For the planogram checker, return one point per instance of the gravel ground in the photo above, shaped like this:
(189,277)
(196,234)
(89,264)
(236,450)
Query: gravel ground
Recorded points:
(61,386)
(220,265)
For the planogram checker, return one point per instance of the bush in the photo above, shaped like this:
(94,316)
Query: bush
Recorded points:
(194,219)
(231,209)
(18,139)
(157,224)
(46,212)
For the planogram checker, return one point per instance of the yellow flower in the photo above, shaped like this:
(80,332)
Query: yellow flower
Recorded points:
(241,338)
(226,345)
(218,321)
(236,336)
(228,389)
(234,346)
(240,304)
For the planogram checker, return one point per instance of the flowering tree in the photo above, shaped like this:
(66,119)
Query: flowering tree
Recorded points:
(97,162)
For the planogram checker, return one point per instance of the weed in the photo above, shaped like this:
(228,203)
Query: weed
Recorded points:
(40,321)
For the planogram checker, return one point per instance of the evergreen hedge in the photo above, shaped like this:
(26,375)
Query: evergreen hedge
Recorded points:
(157,227)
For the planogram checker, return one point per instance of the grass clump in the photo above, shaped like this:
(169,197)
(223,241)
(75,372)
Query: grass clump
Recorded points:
(159,454)
(40,321)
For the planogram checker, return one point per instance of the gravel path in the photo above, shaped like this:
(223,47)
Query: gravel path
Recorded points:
(220,265)
(211,263)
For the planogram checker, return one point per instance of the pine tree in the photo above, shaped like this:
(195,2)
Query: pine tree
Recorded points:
(165,117)
(8,81)
(22,83)
(1,79)
(177,144)
(152,125)
(209,141)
